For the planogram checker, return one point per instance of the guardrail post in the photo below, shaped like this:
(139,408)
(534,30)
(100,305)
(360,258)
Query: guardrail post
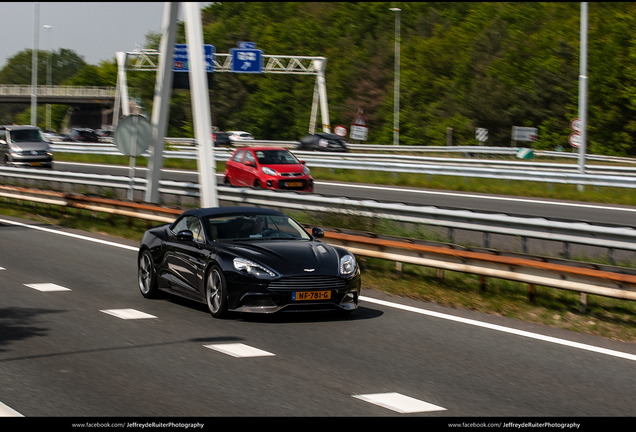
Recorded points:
(440,274)
(531,292)
(583,299)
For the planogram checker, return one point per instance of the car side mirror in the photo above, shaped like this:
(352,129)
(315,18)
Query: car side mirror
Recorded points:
(317,232)
(302,162)
(185,235)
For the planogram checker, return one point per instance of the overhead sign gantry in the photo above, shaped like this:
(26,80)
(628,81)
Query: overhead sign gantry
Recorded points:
(245,59)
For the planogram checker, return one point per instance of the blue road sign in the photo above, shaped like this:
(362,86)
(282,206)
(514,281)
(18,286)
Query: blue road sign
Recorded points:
(180,58)
(247,60)
(247,45)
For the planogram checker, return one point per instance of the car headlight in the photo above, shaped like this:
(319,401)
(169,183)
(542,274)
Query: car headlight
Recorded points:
(347,264)
(269,171)
(323,142)
(253,269)
(306,170)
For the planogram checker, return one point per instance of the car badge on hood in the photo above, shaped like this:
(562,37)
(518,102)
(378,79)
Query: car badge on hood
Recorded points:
(309,270)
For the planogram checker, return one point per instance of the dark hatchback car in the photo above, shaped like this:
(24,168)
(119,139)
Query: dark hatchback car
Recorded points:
(323,142)
(247,259)
(221,139)
(24,146)
(81,135)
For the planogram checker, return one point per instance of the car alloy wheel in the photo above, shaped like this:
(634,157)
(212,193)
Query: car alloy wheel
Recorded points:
(215,292)
(146,276)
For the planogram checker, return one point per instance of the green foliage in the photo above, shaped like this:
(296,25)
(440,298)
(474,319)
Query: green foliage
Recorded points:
(463,65)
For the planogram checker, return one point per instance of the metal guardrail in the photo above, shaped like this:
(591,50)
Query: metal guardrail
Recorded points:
(620,177)
(573,276)
(610,237)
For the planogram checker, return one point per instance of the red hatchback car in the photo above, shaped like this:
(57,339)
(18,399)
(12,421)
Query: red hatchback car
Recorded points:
(269,168)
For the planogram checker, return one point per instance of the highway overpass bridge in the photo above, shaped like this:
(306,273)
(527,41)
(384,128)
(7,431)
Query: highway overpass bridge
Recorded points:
(93,106)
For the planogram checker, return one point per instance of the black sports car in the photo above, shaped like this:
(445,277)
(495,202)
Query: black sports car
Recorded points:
(247,259)
(323,142)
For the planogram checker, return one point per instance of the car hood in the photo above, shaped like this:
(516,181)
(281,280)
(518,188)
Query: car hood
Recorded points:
(298,257)
(285,168)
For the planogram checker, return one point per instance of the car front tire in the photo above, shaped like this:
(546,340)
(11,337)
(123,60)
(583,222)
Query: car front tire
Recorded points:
(216,292)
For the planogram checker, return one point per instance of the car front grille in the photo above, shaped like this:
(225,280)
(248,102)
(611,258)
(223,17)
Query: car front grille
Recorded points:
(294,174)
(308,283)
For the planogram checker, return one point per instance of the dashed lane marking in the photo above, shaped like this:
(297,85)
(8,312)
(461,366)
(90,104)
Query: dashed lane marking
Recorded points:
(399,402)
(239,350)
(47,287)
(128,314)
(5,411)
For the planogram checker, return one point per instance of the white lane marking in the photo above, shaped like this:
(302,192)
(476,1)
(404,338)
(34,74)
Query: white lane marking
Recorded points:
(239,350)
(128,314)
(486,197)
(5,411)
(109,243)
(47,287)
(398,402)
(504,329)
(2,268)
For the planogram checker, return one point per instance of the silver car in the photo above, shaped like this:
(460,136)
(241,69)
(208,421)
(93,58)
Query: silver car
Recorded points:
(24,146)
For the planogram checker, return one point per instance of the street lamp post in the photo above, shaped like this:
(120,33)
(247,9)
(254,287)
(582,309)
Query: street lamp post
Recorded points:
(34,65)
(583,90)
(48,77)
(396,80)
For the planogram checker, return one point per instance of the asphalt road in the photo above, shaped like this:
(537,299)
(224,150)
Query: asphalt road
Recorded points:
(67,353)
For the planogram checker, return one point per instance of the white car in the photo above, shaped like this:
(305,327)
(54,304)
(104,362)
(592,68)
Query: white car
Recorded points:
(239,136)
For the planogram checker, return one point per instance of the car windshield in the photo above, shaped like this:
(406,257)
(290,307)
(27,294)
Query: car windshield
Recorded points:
(273,157)
(27,135)
(255,227)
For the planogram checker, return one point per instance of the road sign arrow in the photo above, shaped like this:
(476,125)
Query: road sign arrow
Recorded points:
(246,65)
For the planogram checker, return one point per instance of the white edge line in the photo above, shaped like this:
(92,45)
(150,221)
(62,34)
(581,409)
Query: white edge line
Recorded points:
(504,329)
(105,242)
(486,197)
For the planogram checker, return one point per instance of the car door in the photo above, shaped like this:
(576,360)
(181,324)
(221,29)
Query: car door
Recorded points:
(185,258)
(249,172)
(233,167)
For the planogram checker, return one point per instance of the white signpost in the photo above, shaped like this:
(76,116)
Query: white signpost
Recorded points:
(524,134)
(359,129)
(481,134)
(575,138)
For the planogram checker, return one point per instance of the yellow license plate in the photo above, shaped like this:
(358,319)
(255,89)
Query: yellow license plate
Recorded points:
(293,184)
(36,163)
(311,295)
